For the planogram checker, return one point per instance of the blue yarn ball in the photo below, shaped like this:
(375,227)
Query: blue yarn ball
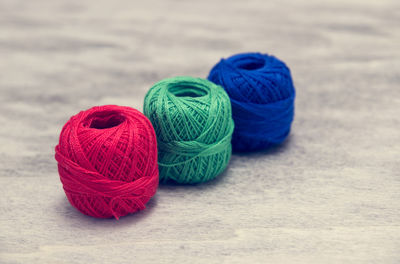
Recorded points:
(262,95)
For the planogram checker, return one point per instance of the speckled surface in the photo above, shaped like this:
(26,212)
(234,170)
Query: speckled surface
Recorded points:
(330,194)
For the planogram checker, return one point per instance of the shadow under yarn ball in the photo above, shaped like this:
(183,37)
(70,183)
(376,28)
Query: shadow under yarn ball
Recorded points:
(193,122)
(107,161)
(262,94)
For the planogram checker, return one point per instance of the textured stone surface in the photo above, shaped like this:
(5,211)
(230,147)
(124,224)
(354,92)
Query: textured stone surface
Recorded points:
(330,194)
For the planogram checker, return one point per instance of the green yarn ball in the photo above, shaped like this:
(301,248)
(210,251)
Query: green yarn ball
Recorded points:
(192,118)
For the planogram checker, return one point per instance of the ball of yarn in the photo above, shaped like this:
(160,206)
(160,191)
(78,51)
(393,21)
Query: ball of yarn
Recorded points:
(107,161)
(262,95)
(192,118)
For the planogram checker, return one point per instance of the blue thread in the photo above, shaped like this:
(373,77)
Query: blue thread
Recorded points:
(262,95)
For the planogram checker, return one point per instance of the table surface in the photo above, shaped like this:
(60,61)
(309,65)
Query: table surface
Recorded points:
(329,194)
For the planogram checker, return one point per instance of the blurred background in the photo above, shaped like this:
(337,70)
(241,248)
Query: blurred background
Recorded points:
(329,194)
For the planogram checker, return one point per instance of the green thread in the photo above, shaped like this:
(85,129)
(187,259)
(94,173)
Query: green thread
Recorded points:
(192,118)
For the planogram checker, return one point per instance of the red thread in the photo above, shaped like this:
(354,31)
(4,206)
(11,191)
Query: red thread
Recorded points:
(107,161)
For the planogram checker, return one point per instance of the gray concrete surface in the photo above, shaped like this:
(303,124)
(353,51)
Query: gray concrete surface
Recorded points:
(330,194)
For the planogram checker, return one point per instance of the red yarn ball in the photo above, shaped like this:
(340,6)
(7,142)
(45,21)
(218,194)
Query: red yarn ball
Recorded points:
(107,161)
